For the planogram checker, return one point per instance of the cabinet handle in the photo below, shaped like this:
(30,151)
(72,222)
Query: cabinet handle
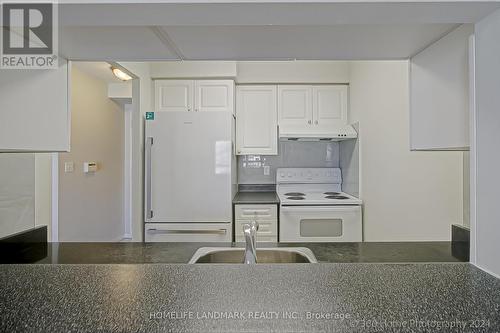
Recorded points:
(149,178)
(309,122)
(316,122)
(189,231)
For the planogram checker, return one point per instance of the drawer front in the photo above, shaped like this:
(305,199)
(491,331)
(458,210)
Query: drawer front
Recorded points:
(268,231)
(183,232)
(253,212)
(260,239)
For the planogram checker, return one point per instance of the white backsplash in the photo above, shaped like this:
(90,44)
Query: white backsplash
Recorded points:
(291,154)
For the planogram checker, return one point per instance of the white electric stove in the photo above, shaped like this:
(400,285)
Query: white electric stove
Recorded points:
(313,207)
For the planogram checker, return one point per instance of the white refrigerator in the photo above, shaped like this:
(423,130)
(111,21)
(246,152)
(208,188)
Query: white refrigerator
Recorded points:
(189,176)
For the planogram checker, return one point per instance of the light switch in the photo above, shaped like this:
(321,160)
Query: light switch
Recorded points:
(69,167)
(267,170)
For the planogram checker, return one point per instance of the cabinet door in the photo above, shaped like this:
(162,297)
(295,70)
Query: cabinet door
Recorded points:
(256,120)
(295,109)
(214,95)
(174,95)
(329,107)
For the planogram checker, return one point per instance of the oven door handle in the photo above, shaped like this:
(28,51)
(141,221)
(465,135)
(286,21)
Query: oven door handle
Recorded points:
(319,208)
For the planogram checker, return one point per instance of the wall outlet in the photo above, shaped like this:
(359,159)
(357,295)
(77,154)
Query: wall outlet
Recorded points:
(267,170)
(90,167)
(69,167)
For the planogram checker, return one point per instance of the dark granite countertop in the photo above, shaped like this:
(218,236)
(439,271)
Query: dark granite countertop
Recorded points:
(256,198)
(139,253)
(249,298)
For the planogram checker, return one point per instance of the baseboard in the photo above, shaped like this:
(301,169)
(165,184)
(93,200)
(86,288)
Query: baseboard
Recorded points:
(126,238)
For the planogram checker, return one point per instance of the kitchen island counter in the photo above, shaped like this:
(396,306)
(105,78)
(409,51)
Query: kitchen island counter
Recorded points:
(249,298)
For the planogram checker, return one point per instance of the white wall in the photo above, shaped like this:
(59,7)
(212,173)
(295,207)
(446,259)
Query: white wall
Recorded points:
(193,69)
(292,72)
(34,113)
(466,190)
(408,196)
(91,205)
(43,191)
(142,101)
(486,245)
(440,93)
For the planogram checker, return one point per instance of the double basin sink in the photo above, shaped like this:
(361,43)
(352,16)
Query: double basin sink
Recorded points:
(230,255)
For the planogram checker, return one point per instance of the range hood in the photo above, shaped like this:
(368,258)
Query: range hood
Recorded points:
(339,134)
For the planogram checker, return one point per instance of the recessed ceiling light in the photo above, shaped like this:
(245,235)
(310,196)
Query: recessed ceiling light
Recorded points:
(120,74)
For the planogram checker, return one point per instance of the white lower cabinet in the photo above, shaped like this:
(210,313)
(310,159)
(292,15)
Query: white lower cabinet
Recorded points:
(265,215)
(187,232)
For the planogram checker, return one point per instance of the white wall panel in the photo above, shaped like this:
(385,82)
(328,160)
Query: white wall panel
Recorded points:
(34,112)
(439,93)
(487,141)
(407,196)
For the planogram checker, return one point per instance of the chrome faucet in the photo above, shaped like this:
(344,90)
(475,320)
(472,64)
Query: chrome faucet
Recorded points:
(250,231)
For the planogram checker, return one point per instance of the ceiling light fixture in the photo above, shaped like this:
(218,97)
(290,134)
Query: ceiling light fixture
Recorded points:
(120,74)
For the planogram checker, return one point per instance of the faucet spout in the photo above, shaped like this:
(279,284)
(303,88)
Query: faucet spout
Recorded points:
(250,231)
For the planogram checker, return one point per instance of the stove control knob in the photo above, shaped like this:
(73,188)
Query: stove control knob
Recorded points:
(282,174)
(289,175)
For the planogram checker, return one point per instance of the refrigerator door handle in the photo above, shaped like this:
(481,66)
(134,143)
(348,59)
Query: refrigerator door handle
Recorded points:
(188,231)
(149,177)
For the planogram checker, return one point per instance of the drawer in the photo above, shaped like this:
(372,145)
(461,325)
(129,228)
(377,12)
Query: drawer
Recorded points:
(268,231)
(259,239)
(259,212)
(187,232)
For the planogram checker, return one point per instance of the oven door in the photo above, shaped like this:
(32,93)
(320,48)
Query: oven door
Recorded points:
(320,224)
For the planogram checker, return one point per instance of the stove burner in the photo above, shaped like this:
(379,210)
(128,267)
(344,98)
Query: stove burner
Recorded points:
(339,197)
(295,198)
(295,194)
(331,193)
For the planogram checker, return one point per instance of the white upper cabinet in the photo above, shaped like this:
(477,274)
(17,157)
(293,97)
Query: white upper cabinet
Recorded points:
(34,109)
(174,95)
(311,109)
(214,95)
(256,120)
(295,108)
(329,107)
(191,95)
(440,93)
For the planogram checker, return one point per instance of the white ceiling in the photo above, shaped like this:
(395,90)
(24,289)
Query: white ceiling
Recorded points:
(340,42)
(259,31)
(314,12)
(112,43)
(97,69)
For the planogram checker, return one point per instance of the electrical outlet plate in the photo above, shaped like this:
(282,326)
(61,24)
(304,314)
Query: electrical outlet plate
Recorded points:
(69,167)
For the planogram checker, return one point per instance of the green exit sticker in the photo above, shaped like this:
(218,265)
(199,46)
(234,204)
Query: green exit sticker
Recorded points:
(150,116)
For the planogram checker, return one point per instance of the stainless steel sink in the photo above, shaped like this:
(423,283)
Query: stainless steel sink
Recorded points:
(230,255)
